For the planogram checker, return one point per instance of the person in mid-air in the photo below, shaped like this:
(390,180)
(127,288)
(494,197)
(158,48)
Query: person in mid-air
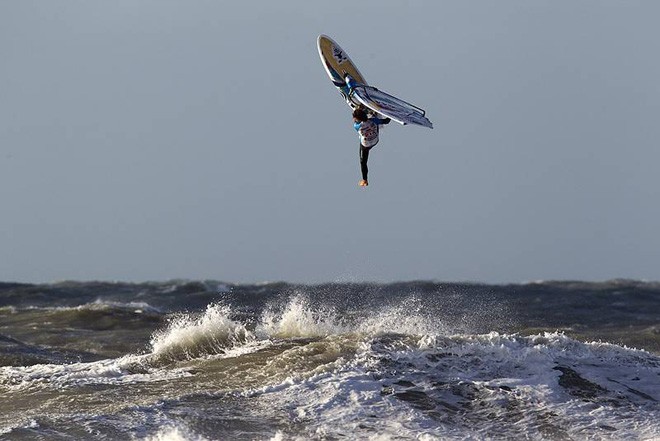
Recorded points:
(367,128)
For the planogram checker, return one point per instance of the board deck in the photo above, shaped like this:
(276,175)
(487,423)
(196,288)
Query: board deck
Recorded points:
(337,64)
(336,61)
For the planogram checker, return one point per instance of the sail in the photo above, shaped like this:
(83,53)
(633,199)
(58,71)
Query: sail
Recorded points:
(390,106)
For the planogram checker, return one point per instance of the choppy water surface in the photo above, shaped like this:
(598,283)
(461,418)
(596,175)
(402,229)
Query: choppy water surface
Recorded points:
(410,360)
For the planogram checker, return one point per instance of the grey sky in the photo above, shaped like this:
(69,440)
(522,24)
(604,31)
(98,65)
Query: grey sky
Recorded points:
(151,140)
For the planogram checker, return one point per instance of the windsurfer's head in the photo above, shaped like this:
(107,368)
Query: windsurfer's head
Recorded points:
(359,115)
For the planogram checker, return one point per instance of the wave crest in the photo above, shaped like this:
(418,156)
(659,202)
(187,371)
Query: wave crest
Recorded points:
(189,336)
(298,319)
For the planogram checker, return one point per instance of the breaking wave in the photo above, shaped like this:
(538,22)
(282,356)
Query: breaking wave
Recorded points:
(213,332)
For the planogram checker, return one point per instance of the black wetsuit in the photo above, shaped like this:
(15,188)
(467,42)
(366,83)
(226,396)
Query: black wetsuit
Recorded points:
(364,157)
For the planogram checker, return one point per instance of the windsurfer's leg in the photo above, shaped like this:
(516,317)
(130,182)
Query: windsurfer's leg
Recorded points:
(364,157)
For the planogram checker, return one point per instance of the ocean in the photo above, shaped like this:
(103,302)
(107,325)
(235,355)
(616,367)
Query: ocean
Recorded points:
(207,360)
